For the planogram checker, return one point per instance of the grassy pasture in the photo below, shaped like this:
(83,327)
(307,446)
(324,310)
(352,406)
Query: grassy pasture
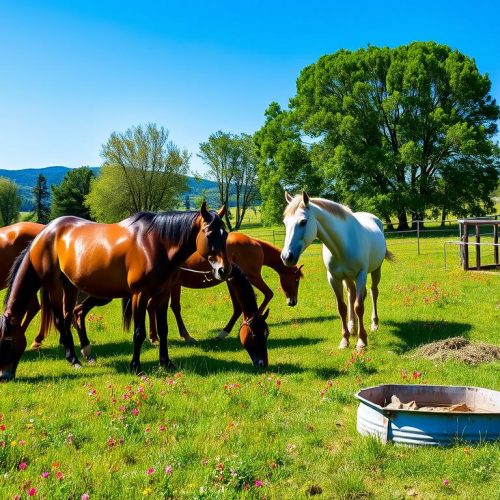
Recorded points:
(218,429)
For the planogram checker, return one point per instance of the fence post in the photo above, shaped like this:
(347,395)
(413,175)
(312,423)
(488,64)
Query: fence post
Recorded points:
(418,237)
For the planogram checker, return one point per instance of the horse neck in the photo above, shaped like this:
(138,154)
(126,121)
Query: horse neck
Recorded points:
(272,258)
(244,292)
(333,231)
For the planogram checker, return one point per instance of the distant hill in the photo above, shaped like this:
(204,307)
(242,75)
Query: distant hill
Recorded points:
(26,179)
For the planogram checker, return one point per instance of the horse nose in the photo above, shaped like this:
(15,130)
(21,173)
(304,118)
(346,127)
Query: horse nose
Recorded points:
(287,258)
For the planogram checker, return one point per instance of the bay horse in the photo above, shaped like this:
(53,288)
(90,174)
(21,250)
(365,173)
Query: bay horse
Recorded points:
(353,247)
(138,257)
(13,240)
(250,254)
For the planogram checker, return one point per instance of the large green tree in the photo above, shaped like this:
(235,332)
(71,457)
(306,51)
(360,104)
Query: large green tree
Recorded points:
(400,131)
(10,202)
(41,203)
(142,170)
(284,163)
(68,198)
(232,162)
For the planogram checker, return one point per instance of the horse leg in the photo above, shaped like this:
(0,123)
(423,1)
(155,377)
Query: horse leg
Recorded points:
(359,309)
(374,293)
(33,308)
(79,314)
(261,285)
(139,303)
(60,295)
(338,289)
(236,313)
(175,305)
(153,332)
(161,321)
(351,298)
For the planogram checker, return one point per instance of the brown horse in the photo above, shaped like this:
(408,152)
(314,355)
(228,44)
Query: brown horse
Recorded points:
(13,240)
(248,253)
(138,257)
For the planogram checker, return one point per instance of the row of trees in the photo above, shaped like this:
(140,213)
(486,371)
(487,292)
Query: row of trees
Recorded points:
(400,132)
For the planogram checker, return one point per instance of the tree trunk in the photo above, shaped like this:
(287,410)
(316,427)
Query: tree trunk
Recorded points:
(443,217)
(403,221)
(389,224)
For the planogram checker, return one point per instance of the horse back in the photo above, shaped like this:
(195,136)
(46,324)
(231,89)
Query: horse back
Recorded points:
(372,238)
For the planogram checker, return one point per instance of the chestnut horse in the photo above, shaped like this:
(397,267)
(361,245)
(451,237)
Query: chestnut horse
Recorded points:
(138,257)
(250,254)
(13,240)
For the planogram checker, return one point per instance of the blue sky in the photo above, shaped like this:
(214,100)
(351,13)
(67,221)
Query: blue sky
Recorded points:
(73,72)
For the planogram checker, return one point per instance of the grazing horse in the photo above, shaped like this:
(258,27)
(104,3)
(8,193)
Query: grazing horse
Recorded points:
(13,240)
(138,257)
(353,246)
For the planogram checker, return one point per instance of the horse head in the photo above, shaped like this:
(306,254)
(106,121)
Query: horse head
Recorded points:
(211,241)
(11,349)
(290,284)
(301,228)
(253,336)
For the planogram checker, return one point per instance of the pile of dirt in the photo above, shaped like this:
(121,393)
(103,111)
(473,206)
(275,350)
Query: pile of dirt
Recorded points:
(460,349)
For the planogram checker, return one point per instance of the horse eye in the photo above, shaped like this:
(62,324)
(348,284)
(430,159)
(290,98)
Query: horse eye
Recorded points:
(303,222)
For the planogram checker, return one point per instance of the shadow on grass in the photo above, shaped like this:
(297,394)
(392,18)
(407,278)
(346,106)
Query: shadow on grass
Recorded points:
(303,321)
(204,365)
(415,333)
(232,343)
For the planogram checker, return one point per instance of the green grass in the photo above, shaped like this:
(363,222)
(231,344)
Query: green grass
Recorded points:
(222,426)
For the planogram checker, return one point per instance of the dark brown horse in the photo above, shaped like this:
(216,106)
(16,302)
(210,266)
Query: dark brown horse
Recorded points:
(248,253)
(13,240)
(138,258)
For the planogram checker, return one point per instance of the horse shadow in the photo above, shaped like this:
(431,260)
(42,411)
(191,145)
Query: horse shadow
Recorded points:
(303,321)
(232,343)
(204,365)
(415,333)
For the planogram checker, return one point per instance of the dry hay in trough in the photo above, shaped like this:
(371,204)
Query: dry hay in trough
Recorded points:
(460,349)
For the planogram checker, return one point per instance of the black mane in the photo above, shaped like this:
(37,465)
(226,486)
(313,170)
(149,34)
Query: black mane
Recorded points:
(175,226)
(244,291)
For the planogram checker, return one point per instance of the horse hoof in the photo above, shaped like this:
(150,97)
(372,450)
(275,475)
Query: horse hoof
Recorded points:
(76,366)
(90,359)
(169,366)
(189,339)
(153,340)
(6,376)
(361,345)
(36,345)
(86,351)
(344,344)
(222,335)
(374,327)
(135,368)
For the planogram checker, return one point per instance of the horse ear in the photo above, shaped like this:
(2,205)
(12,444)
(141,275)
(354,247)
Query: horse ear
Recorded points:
(266,314)
(205,213)
(305,198)
(299,268)
(288,197)
(222,211)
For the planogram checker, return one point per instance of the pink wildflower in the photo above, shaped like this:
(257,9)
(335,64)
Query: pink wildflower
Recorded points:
(258,483)
(85,496)
(32,492)
(23,466)
(150,471)
(135,411)
(168,470)
(45,475)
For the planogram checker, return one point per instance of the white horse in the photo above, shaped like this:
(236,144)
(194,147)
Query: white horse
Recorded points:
(353,246)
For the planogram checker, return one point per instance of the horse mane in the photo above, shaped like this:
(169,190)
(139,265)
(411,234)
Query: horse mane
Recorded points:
(13,272)
(244,291)
(173,226)
(332,207)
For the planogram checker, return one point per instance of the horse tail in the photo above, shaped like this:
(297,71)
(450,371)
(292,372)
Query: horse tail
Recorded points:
(390,256)
(46,313)
(127,313)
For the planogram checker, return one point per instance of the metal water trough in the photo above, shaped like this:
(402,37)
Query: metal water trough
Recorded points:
(415,427)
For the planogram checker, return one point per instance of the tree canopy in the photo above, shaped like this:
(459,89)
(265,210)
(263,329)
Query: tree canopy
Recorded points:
(142,170)
(232,163)
(10,202)
(395,131)
(68,198)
